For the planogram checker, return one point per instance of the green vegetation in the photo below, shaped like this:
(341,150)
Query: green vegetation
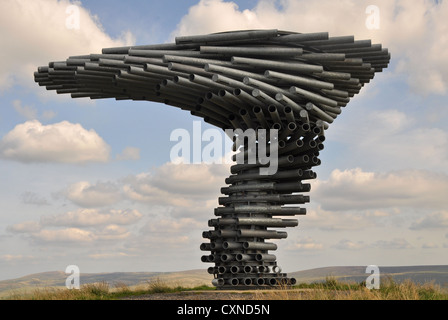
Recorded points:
(103,291)
(330,289)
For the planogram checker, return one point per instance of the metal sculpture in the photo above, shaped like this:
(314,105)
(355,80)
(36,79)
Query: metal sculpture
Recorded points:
(295,83)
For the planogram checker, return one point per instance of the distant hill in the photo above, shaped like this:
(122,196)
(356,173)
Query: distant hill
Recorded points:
(57,279)
(418,274)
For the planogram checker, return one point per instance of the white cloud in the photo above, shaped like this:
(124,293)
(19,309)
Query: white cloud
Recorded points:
(62,142)
(177,193)
(113,232)
(432,220)
(394,139)
(170,225)
(15,258)
(180,185)
(110,255)
(48,114)
(306,244)
(413,31)
(329,220)
(396,243)
(346,244)
(33,198)
(216,16)
(36,32)
(92,217)
(25,227)
(356,189)
(28,112)
(430,245)
(129,153)
(87,195)
(159,244)
(84,226)
(61,236)
(175,186)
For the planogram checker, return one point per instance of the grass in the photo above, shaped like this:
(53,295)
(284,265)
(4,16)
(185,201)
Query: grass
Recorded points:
(330,289)
(103,291)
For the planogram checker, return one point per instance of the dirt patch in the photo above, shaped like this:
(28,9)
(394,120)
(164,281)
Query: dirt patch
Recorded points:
(195,296)
(224,295)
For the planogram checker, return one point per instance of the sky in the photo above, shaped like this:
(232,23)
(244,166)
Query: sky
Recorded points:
(91,182)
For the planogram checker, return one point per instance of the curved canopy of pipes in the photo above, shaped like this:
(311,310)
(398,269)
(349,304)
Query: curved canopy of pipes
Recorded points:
(297,83)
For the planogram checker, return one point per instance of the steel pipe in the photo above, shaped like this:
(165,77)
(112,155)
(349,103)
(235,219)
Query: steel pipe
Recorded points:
(253,51)
(264,234)
(267,222)
(266,209)
(277,65)
(228,36)
(272,198)
(265,257)
(259,246)
(264,98)
(299,80)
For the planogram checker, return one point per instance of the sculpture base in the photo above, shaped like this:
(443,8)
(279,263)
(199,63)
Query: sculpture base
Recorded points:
(253,281)
(239,244)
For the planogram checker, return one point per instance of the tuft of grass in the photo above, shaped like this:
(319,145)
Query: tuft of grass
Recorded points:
(122,287)
(99,290)
(91,291)
(159,286)
(102,291)
(332,289)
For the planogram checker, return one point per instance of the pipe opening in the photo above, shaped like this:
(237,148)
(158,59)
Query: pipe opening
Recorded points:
(276,269)
(218,282)
(234,269)
(234,281)
(257,109)
(222,270)
(247,269)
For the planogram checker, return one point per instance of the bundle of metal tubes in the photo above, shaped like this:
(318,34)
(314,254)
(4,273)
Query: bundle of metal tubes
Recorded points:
(253,79)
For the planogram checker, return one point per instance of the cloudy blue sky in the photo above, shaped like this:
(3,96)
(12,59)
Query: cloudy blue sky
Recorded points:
(91,183)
